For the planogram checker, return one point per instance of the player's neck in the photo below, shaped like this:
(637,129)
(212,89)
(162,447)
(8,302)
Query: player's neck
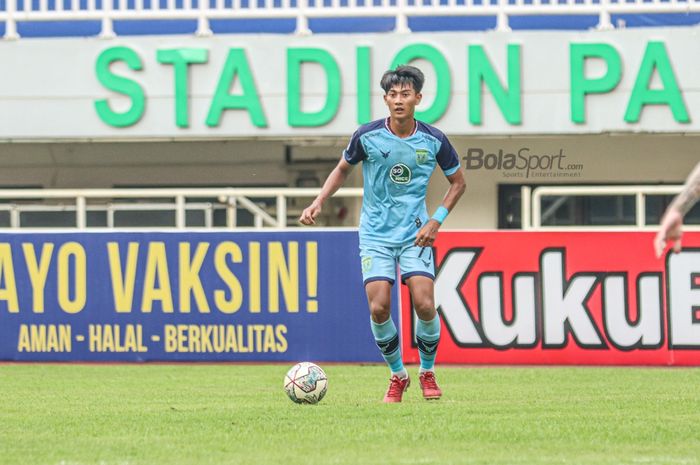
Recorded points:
(402,128)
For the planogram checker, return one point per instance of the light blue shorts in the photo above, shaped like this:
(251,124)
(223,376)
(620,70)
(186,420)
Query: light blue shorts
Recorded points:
(379,262)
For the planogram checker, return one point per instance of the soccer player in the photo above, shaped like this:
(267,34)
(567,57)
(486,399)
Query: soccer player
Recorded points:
(672,221)
(398,156)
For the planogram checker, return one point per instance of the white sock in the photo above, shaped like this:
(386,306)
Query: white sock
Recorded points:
(423,370)
(403,374)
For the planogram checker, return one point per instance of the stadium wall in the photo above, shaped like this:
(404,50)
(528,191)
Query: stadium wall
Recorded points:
(585,159)
(255,110)
(520,83)
(589,107)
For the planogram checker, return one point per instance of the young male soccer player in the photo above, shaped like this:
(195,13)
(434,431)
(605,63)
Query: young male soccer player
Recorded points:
(398,156)
(672,221)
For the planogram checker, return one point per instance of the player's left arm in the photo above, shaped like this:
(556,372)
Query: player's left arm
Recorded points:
(427,234)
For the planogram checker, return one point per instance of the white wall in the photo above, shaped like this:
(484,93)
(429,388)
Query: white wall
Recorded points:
(92,165)
(609,159)
(49,88)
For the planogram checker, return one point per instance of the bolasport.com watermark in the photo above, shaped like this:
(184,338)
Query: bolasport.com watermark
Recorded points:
(523,163)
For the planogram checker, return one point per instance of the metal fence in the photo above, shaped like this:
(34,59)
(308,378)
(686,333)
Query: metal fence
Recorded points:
(107,11)
(534,215)
(78,208)
(186,208)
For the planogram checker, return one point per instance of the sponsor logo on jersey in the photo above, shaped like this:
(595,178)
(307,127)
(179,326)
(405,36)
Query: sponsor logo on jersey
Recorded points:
(400,174)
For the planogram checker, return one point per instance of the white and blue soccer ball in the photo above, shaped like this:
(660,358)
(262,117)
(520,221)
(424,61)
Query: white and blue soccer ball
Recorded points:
(306,383)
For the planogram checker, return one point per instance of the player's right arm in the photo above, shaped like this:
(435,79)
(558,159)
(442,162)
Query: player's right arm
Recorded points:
(334,181)
(672,221)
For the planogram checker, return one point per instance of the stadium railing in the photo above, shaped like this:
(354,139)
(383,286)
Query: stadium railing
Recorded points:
(533,214)
(221,208)
(107,11)
(269,207)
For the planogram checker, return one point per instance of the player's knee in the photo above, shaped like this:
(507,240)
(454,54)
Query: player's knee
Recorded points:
(380,311)
(425,307)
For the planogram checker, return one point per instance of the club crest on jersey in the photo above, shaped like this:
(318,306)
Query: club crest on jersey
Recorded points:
(400,174)
(366,263)
(421,156)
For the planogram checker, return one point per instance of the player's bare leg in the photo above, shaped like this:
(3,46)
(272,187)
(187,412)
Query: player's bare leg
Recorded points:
(427,332)
(387,337)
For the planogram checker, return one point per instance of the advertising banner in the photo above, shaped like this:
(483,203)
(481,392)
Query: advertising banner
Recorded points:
(504,298)
(277,296)
(577,298)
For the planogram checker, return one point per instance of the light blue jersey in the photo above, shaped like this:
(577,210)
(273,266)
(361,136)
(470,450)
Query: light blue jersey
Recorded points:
(396,173)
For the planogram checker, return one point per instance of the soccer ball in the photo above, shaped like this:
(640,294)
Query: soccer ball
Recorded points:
(306,383)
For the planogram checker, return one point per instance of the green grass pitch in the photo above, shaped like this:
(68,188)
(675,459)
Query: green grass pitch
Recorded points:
(238,414)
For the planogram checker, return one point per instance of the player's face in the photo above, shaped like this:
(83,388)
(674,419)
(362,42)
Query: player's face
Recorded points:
(402,101)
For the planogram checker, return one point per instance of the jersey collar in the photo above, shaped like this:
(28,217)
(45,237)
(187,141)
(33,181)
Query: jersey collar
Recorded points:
(388,126)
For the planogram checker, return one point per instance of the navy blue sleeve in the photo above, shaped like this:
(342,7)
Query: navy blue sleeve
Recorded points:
(447,156)
(355,152)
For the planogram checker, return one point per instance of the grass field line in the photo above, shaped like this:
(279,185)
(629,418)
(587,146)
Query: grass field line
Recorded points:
(666,459)
(101,462)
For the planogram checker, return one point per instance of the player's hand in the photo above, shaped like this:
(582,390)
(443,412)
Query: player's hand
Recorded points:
(670,231)
(427,234)
(310,213)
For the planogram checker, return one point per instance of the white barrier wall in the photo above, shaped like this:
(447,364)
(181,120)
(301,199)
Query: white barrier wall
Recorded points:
(262,86)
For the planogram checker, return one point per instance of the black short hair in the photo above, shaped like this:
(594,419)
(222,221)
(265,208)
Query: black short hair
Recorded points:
(402,75)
